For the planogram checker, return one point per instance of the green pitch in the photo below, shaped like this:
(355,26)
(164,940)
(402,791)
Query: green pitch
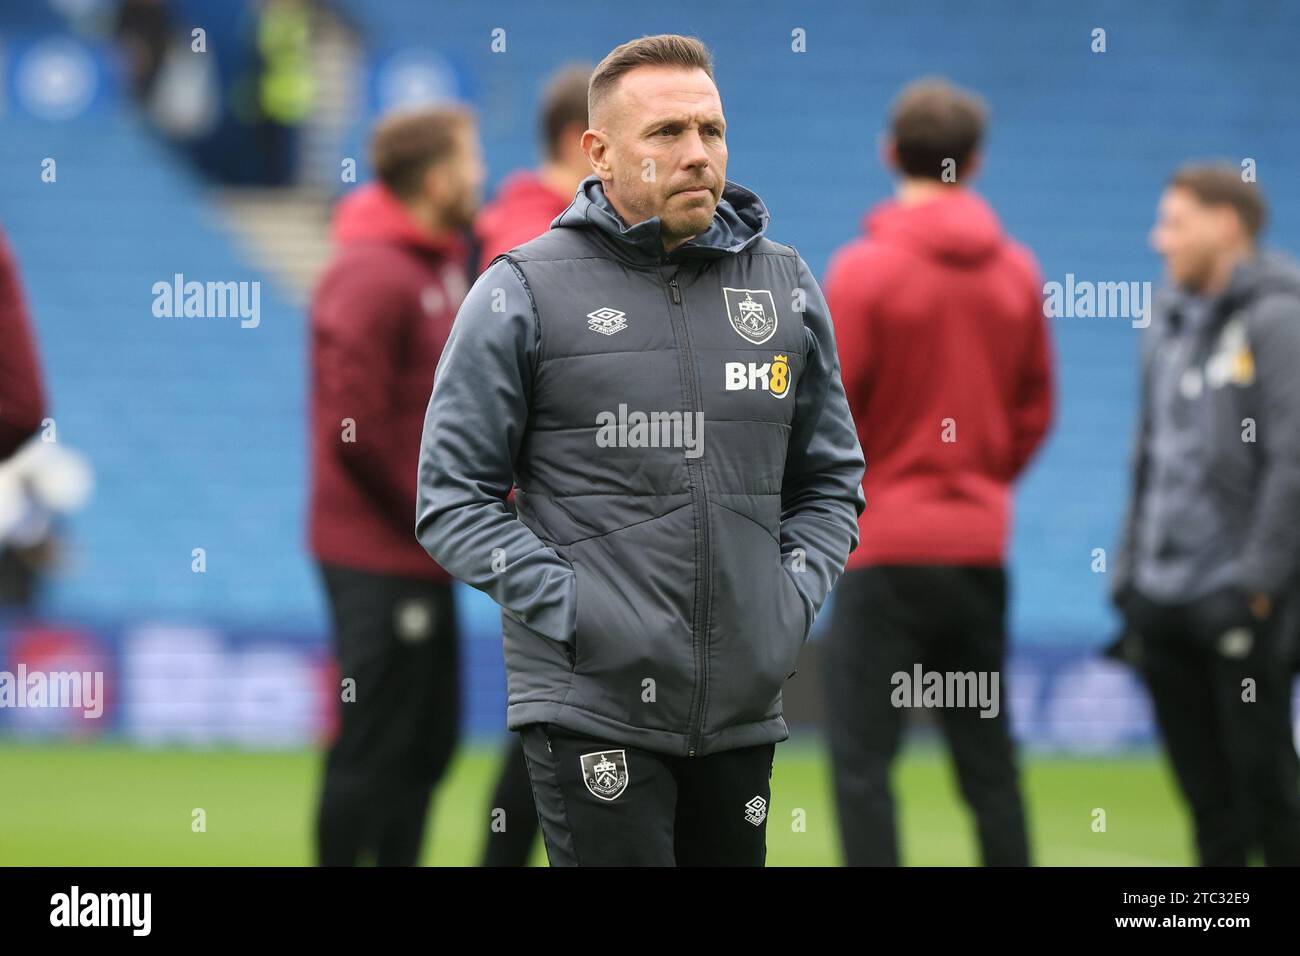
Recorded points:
(102,805)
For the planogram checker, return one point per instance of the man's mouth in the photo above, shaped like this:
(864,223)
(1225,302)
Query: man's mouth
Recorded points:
(695,191)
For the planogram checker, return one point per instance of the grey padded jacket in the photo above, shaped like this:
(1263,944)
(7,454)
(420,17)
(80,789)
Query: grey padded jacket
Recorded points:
(1245,366)
(687,473)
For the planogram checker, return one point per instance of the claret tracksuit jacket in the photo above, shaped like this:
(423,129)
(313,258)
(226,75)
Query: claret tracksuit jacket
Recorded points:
(688,474)
(380,317)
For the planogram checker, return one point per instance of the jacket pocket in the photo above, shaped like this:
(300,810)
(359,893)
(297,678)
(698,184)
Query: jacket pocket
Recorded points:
(798,598)
(798,632)
(758,622)
(633,659)
(537,667)
(571,647)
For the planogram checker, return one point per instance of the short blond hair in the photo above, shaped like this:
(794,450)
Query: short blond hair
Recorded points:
(664,49)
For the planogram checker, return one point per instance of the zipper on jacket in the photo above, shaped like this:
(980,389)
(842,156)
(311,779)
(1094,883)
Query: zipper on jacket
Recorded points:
(699,491)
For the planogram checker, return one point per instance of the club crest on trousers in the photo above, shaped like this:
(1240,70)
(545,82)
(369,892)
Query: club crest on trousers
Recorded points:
(605,773)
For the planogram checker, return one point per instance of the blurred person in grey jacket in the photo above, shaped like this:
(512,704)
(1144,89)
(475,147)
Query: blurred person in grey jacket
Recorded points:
(1206,573)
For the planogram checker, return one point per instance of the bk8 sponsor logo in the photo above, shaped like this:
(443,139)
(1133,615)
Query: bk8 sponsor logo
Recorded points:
(772,377)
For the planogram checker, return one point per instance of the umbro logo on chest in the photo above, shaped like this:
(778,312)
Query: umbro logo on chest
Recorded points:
(751,312)
(606,321)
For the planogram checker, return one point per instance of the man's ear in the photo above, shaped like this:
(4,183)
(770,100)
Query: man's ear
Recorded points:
(435,183)
(1231,229)
(888,152)
(596,146)
(571,142)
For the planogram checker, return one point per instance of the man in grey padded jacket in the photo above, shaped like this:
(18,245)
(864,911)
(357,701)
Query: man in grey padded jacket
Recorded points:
(659,382)
(1208,568)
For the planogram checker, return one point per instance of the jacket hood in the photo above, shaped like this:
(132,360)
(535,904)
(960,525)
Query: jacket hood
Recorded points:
(739,221)
(371,213)
(520,194)
(1267,273)
(958,227)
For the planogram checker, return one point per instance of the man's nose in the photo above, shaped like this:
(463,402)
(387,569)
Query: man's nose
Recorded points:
(693,151)
(1156,238)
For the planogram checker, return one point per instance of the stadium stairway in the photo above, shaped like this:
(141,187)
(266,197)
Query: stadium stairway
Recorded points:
(286,230)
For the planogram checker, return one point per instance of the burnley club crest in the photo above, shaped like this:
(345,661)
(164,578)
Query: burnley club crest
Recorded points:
(605,773)
(752,313)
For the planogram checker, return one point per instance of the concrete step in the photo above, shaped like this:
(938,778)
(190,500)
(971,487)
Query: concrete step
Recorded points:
(284,230)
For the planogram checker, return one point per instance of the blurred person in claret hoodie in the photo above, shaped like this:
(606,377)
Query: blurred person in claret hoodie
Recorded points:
(22,396)
(529,199)
(946,362)
(380,316)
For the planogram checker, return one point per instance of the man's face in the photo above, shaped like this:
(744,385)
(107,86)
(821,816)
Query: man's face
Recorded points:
(1190,235)
(659,145)
(456,184)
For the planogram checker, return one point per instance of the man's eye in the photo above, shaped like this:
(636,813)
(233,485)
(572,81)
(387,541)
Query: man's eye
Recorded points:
(669,130)
(713,131)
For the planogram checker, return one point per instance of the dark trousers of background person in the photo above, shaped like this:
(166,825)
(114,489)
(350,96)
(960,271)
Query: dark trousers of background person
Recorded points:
(1235,760)
(672,811)
(887,619)
(396,639)
(512,843)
